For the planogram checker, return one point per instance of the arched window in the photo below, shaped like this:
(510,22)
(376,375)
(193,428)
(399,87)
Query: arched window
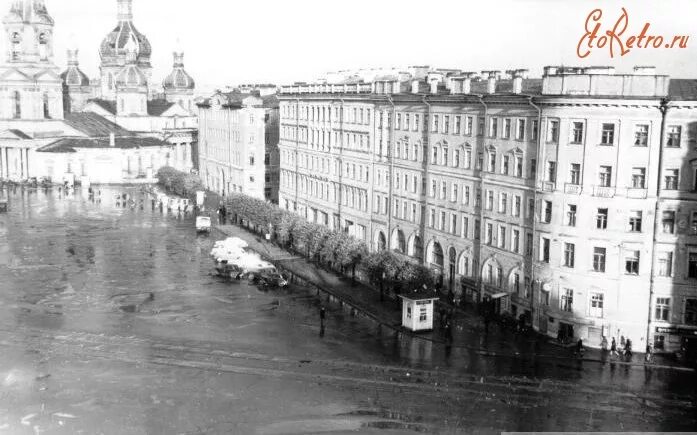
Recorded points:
(17,99)
(16,45)
(43,46)
(47,112)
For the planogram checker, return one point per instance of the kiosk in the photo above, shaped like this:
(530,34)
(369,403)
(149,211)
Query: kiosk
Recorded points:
(417,309)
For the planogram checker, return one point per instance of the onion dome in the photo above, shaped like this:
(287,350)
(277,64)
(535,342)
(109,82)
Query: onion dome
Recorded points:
(178,79)
(28,11)
(113,47)
(131,76)
(73,76)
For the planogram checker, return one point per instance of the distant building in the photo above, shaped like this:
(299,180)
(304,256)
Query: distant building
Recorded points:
(238,144)
(38,139)
(567,200)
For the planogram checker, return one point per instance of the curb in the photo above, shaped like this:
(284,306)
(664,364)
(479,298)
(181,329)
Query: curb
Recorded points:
(481,351)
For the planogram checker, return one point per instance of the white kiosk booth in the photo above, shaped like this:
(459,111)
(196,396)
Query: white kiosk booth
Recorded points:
(418,309)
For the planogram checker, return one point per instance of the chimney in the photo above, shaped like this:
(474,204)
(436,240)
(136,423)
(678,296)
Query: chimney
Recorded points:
(518,76)
(112,140)
(550,70)
(415,86)
(456,85)
(467,83)
(491,81)
(645,70)
(434,85)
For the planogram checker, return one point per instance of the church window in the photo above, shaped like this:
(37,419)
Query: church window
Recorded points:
(43,44)
(17,105)
(47,113)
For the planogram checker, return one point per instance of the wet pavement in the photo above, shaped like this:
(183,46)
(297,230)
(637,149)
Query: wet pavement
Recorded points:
(112,322)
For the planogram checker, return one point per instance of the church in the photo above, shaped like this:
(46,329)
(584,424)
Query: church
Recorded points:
(118,128)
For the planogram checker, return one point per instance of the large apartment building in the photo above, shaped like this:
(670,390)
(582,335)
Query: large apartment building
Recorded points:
(539,194)
(238,144)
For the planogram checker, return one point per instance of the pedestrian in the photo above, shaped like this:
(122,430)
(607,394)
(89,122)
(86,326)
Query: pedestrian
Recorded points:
(649,353)
(448,331)
(322,316)
(628,349)
(613,348)
(579,347)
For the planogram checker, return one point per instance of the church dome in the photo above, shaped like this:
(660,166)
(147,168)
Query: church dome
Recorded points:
(131,76)
(113,47)
(178,79)
(73,76)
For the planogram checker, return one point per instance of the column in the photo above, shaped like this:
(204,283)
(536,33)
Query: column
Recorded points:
(2,162)
(26,164)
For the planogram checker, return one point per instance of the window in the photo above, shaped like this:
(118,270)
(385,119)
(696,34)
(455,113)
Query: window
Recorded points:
(567,300)
(641,135)
(432,218)
(478,199)
(489,238)
(534,130)
(502,237)
(605,176)
(674,133)
(517,200)
(596,309)
(631,263)
(489,200)
(692,265)
(515,241)
(444,157)
(571,215)
(443,190)
(446,124)
(519,166)
(458,124)
(456,159)
(453,192)
(480,160)
(468,159)
(398,122)
(665,264)
(639,178)
(465,226)
(662,312)
(577,133)
(477,231)
(503,202)
(552,172)
(575,173)
(528,244)
(659,342)
(690,312)
(553,132)
(506,128)
(415,127)
(251,160)
(601,219)
(544,252)
(531,208)
(506,164)
(668,222)
(442,221)
(608,134)
(520,132)
(466,195)
(533,168)
(569,255)
(434,186)
(434,126)
(492,161)
(17,106)
(599,255)
(469,125)
(47,113)
(635,217)
(493,127)
(547,213)
(453,223)
(671,179)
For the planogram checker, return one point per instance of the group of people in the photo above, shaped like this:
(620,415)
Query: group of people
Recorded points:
(625,348)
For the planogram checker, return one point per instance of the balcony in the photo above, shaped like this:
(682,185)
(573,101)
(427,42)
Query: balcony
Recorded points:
(573,189)
(604,191)
(547,186)
(636,193)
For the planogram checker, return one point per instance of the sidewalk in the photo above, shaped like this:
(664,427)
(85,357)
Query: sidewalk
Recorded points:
(468,328)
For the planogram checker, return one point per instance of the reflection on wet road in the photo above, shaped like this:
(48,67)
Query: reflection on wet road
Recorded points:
(112,322)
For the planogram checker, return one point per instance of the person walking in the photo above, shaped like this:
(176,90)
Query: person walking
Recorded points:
(322,317)
(649,354)
(628,349)
(579,348)
(613,348)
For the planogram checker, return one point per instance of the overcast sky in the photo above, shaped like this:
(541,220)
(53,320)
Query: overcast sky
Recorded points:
(279,41)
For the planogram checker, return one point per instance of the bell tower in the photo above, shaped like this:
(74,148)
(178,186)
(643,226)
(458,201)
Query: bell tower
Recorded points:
(29,30)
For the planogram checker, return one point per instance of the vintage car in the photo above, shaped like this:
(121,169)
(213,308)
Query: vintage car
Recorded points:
(203,224)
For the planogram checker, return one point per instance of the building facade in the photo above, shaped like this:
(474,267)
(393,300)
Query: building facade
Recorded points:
(238,144)
(538,194)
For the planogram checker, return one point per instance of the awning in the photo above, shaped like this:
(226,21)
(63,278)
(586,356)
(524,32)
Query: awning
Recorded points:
(499,295)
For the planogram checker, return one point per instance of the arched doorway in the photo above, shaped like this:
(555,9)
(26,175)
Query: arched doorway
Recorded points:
(452,257)
(399,242)
(381,241)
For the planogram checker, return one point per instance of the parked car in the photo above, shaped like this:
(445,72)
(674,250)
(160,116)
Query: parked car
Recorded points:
(227,270)
(203,224)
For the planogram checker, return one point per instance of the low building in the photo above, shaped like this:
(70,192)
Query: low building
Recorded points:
(238,144)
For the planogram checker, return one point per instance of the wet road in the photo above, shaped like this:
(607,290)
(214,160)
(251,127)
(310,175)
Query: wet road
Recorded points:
(111,322)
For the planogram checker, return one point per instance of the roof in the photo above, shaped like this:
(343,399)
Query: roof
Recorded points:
(94,125)
(158,107)
(19,133)
(113,46)
(420,294)
(73,76)
(155,107)
(71,145)
(683,89)
(109,106)
(235,98)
